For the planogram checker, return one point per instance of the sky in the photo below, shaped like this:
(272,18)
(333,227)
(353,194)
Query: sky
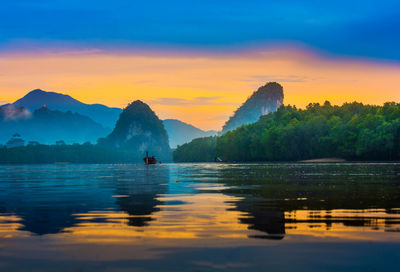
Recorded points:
(197,61)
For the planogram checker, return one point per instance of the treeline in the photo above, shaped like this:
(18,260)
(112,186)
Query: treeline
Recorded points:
(198,150)
(76,153)
(352,131)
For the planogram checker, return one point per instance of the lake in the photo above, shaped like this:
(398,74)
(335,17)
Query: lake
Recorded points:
(200,217)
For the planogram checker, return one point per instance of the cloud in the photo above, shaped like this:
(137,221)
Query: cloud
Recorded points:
(199,101)
(140,82)
(170,101)
(10,113)
(279,78)
(366,30)
(224,117)
(3,102)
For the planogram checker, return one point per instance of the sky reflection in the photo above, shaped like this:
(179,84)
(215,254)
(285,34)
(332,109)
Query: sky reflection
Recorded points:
(129,212)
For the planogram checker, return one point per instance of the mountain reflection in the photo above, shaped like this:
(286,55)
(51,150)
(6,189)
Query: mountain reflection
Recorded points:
(44,200)
(272,223)
(314,197)
(200,201)
(137,195)
(48,201)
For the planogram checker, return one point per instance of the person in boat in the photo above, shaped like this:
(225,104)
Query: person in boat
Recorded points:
(149,160)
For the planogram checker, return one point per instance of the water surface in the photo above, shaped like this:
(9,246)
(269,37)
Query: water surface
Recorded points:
(200,217)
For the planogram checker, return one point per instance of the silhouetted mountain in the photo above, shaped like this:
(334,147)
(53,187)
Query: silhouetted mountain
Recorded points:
(266,99)
(47,126)
(138,129)
(99,113)
(180,133)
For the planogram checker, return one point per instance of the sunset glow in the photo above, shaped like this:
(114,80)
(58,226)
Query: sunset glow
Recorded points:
(196,87)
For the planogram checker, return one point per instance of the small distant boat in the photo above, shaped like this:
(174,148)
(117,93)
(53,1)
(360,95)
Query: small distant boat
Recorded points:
(149,160)
(218,159)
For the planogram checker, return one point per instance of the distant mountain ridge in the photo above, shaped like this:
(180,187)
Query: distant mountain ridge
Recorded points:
(48,126)
(266,99)
(180,132)
(99,113)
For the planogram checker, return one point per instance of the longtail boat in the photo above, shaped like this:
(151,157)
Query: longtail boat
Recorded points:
(149,160)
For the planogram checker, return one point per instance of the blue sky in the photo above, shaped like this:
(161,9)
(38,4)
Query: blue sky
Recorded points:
(351,28)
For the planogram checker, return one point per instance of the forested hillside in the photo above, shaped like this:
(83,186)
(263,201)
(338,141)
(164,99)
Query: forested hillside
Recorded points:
(198,150)
(76,153)
(352,131)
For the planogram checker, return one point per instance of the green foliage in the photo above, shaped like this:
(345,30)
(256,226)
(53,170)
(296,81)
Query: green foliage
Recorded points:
(76,153)
(352,131)
(198,150)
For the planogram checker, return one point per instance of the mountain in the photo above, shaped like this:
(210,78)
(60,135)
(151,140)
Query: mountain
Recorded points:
(138,129)
(48,126)
(266,99)
(180,133)
(99,113)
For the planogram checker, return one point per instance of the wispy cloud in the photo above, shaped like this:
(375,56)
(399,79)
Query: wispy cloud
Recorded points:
(140,82)
(224,117)
(199,101)
(279,78)
(10,113)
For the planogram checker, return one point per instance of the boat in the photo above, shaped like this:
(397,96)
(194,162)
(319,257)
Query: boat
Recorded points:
(218,159)
(149,160)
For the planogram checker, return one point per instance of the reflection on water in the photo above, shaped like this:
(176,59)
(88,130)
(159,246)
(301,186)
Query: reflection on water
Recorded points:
(215,216)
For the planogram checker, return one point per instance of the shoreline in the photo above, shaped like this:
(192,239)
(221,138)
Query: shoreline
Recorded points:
(324,160)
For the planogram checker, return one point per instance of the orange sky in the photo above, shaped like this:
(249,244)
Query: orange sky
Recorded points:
(198,88)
